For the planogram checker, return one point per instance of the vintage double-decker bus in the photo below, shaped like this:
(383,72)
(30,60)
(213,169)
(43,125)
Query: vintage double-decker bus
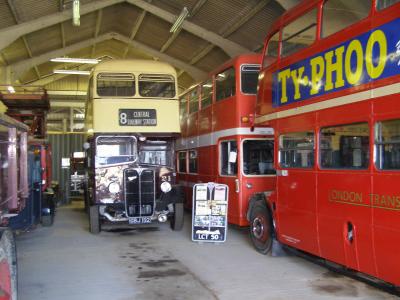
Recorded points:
(218,143)
(14,191)
(132,121)
(329,86)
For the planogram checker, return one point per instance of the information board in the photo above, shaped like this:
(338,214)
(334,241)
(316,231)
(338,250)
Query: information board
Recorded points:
(209,213)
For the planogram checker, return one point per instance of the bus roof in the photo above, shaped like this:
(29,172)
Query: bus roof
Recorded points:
(134,65)
(249,58)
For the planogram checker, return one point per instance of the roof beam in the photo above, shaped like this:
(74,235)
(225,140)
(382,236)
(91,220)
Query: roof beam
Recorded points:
(22,66)
(12,33)
(172,38)
(287,4)
(249,11)
(62,35)
(56,104)
(49,78)
(28,49)
(97,30)
(231,48)
(17,20)
(134,31)
(196,73)
(67,93)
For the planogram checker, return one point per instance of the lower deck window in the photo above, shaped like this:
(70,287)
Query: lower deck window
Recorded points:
(258,157)
(193,161)
(182,162)
(387,145)
(228,158)
(345,146)
(296,150)
(115,149)
(155,152)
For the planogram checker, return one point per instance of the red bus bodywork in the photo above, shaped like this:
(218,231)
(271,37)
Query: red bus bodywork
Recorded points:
(225,122)
(350,216)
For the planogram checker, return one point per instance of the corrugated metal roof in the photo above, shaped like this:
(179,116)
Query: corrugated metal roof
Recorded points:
(185,45)
(154,32)
(75,34)
(212,60)
(6,17)
(32,9)
(44,40)
(15,52)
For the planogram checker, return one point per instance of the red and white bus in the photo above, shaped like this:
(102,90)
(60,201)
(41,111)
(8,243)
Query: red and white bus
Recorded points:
(330,88)
(218,143)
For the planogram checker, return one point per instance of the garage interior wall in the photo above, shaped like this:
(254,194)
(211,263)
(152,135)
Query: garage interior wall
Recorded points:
(63,145)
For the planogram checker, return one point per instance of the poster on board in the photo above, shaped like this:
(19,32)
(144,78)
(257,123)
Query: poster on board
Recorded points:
(209,213)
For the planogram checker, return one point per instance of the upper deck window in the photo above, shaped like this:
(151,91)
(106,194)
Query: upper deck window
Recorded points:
(156,85)
(225,84)
(339,14)
(115,150)
(206,94)
(115,84)
(249,78)
(382,4)
(271,53)
(194,100)
(300,33)
(183,105)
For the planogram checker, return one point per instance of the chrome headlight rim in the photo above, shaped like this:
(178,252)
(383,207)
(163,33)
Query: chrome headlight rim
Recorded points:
(165,187)
(114,187)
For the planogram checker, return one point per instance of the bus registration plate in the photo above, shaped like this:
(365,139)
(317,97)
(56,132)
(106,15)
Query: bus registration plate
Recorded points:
(140,220)
(137,117)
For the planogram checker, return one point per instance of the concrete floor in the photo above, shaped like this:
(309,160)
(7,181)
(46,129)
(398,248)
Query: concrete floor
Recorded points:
(67,262)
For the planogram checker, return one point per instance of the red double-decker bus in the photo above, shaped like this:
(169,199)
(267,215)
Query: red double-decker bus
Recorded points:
(329,86)
(218,143)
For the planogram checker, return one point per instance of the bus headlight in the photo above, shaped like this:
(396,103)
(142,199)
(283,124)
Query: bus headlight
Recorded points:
(114,187)
(165,187)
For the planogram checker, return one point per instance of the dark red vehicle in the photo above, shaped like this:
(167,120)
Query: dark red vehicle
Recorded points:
(29,105)
(218,143)
(329,86)
(14,192)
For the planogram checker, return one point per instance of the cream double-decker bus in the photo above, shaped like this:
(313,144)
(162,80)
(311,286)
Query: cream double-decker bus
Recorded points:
(132,122)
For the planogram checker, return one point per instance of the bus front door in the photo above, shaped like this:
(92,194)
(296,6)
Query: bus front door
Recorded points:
(296,194)
(228,174)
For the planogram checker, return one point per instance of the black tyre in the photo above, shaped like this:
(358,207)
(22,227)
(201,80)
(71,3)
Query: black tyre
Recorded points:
(261,227)
(94,219)
(47,220)
(176,221)
(8,265)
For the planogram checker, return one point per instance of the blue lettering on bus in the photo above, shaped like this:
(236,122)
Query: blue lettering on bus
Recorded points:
(371,56)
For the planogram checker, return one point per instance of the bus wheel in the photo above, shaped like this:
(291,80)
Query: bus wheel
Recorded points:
(177,219)
(260,228)
(8,266)
(94,219)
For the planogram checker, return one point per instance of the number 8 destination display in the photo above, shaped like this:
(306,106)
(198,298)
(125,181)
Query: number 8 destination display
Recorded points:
(209,214)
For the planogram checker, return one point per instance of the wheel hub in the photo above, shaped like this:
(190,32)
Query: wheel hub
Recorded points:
(258,227)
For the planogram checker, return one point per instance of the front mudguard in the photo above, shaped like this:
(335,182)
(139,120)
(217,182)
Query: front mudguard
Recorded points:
(175,195)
